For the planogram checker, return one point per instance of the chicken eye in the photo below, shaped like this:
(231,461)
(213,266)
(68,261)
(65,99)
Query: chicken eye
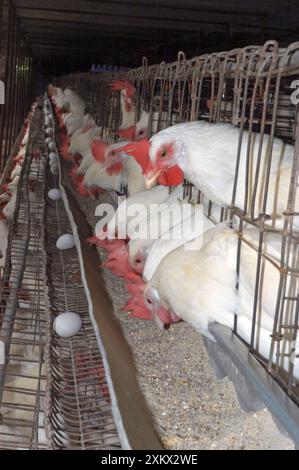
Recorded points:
(141,132)
(163,153)
(149,301)
(138,260)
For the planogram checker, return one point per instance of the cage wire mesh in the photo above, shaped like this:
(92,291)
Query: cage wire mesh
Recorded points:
(251,88)
(23,311)
(79,414)
(53,391)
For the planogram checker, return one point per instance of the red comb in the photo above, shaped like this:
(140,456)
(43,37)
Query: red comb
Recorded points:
(139,150)
(119,85)
(114,169)
(127,133)
(137,309)
(73,172)
(118,263)
(132,276)
(136,288)
(59,118)
(108,245)
(4,187)
(98,150)
(92,240)
(64,146)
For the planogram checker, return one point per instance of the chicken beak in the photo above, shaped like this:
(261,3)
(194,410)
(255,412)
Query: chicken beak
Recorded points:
(156,304)
(151,179)
(159,323)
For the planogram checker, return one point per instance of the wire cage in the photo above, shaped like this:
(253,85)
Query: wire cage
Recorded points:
(251,88)
(16,75)
(23,312)
(78,406)
(53,391)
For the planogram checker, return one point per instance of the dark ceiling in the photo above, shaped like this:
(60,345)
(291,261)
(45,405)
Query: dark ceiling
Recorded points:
(77,33)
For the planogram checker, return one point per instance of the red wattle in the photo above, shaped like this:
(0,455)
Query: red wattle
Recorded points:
(173,176)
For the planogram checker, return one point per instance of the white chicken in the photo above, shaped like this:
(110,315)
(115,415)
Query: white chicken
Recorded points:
(74,99)
(74,123)
(86,162)
(178,234)
(128,108)
(199,287)
(102,171)
(141,129)
(206,154)
(3,244)
(96,177)
(58,97)
(150,228)
(123,215)
(132,176)
(9,209)
(80,141)
(17,170)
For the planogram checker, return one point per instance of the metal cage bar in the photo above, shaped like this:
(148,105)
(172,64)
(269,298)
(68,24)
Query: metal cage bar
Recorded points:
(249,88)
(16,73)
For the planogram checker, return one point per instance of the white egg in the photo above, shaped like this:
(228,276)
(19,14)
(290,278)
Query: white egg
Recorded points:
(53,157)
(67,324)
(54,194)
(54,170)
(52,145)
(49,131)
(48,140)
(48,121)
(65,242)
(54,161)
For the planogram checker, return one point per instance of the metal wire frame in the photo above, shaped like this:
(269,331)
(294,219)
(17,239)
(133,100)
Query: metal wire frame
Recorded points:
(23,311)
(250,88)
(16,71)
(78,403)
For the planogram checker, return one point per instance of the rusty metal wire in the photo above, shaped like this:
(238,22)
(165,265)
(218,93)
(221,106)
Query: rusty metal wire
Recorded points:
(250,88)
